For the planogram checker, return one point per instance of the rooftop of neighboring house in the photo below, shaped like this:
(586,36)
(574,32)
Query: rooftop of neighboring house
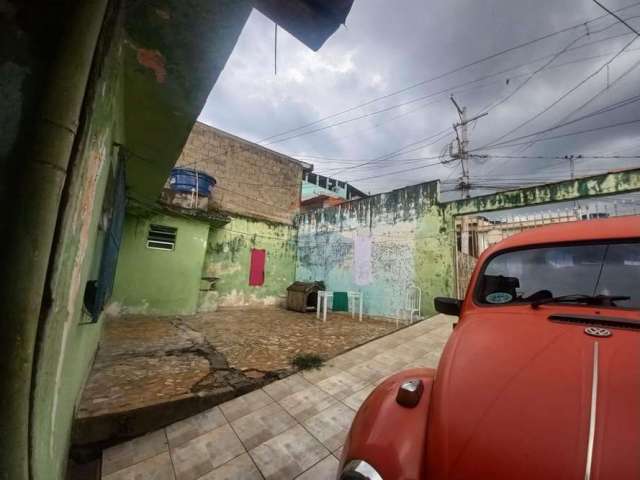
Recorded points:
(321,201)
(316,185)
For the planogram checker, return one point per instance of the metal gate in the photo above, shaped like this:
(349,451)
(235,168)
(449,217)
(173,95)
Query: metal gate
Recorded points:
(476,233)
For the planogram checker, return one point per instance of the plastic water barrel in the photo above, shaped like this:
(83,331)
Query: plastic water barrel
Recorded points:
(188,180)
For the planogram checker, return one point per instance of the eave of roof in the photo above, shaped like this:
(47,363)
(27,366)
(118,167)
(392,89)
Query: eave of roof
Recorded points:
(173,56)
(310,21)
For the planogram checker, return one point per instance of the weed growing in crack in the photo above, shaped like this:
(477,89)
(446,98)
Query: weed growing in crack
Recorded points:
(307,361)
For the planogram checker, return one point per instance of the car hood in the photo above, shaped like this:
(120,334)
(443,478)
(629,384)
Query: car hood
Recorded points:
(513,395)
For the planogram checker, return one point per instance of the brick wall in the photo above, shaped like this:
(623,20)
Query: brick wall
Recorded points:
(251,180)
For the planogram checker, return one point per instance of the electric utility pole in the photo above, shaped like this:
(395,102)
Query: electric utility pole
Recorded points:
(462,140)
(572,174)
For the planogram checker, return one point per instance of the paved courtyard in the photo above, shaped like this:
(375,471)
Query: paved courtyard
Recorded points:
(293,428)
(267,339)
(146,360)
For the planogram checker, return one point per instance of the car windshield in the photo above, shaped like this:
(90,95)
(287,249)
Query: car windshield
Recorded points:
(531,275)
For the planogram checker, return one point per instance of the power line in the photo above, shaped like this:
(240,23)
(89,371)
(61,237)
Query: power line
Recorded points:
(516,157)
(414,100)
(597,129)
(445,74)
(352,161)
(442,92)
(412,169)
(524,83)
(563,157)
(391,107)
(600,92)
(400,151)
(453,89)
(562,97)
(616,16)
(605,109)
(615,106)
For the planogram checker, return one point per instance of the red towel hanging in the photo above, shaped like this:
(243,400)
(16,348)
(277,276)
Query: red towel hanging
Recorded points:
(256,271)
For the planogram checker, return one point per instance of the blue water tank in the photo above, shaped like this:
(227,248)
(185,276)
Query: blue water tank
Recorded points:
(188,180)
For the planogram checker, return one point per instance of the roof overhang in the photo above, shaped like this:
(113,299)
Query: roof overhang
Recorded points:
(174,52)
(310,21)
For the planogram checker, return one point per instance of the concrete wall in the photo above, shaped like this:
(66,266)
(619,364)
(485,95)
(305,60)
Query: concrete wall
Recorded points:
(333,245)
(164,282)
(412,237)
(228,258)
(252,180)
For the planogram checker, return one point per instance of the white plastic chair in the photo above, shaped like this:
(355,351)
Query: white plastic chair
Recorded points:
(412,304)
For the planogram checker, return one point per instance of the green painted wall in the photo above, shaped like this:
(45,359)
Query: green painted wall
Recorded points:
(160,282)
(228,258)
(67,339)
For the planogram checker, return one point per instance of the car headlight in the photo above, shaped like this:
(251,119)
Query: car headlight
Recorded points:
(359,470)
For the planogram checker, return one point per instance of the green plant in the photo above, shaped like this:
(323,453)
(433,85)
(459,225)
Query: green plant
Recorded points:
(307,361)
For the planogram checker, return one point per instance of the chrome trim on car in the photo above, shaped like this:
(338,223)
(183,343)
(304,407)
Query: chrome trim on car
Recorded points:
(592,415)
(359,470)
(409,393)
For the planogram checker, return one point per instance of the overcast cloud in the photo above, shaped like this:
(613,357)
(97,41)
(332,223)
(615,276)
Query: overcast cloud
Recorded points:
(389,45)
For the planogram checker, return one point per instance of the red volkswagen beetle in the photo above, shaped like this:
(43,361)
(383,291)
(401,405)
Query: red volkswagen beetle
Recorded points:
(540,379)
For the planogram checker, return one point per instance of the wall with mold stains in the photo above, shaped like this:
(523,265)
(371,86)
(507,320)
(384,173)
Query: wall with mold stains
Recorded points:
(160,282)
(412,237)
(228,259)
(373,245)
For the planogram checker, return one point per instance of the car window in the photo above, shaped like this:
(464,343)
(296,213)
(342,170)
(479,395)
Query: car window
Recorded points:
(530,274)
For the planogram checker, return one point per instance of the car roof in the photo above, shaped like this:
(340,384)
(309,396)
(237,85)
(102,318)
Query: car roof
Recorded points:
(615,228)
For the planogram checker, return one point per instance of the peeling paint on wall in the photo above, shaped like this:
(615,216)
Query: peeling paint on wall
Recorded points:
(362,260)
(327,248)
(413,237)
(228,259)
(154,61)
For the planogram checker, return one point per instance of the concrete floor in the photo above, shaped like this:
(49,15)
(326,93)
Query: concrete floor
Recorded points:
(290,429)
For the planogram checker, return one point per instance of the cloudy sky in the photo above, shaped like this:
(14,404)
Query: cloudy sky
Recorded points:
(388,71)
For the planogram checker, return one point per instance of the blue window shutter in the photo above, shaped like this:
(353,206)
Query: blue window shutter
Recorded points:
(111,248)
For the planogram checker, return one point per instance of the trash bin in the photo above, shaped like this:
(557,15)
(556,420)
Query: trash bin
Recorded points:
(303,296)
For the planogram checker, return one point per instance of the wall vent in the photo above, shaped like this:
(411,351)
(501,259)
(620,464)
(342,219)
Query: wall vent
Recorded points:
(161,237)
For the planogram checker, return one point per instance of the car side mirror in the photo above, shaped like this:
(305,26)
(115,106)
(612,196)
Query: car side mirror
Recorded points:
(448,306)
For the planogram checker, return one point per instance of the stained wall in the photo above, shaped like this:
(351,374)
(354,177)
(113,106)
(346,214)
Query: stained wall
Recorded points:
(228,259)
(374,245)
(412,238)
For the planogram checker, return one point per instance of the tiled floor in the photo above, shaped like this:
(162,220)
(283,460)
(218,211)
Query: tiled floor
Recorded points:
(290,429)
